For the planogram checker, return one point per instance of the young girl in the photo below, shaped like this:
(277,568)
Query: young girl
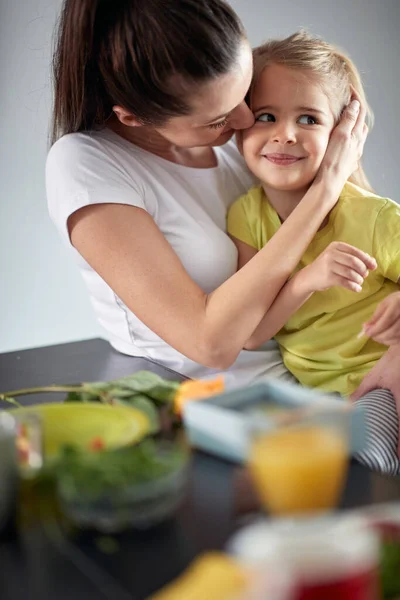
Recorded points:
(322,316)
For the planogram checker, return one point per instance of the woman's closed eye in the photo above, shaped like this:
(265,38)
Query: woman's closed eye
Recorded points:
(219,124)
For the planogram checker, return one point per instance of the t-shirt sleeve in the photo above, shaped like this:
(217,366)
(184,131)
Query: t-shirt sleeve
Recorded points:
(386,246)
(239,223)
(80,172)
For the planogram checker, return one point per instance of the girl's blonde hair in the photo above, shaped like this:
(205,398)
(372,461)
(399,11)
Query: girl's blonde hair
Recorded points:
(332,69)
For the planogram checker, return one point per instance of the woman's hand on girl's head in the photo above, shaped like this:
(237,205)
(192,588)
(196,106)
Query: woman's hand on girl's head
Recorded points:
(345,146)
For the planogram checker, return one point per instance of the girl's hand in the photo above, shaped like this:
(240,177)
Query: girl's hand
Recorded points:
(339,265)
(384,326)
(345,146)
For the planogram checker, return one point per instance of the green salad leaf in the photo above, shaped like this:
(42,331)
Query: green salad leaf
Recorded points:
(146,406)
(92,474)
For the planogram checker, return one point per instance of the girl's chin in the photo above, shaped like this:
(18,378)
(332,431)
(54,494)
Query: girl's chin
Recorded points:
(286,186)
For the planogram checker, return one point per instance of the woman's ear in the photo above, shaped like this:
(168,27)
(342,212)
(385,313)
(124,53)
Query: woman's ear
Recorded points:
(125,117)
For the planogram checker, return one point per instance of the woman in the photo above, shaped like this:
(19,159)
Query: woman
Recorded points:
(148,94)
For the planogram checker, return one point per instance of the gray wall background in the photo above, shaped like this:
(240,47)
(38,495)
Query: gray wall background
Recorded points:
(42,298)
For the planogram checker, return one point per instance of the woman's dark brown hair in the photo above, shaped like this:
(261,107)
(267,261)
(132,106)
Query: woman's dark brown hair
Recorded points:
(134,53)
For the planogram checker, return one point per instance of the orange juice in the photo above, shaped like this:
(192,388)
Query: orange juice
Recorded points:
(299,470)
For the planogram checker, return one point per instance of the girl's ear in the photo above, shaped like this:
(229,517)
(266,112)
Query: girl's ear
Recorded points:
(125,117)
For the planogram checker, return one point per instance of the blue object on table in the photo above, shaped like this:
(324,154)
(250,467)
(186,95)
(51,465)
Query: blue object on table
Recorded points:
(220,424)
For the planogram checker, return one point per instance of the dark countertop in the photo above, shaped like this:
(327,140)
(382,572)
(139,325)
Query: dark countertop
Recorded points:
(42,564)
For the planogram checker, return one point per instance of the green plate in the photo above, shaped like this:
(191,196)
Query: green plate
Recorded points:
(79,424)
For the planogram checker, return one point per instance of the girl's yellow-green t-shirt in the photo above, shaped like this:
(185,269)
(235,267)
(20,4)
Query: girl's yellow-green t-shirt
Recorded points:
(319,343)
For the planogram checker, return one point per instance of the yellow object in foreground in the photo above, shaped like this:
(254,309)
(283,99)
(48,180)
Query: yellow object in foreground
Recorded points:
(213,576)
(79,424)
(299,470)
(196,390)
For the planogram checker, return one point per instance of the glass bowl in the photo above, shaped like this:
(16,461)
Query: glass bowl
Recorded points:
(138,504)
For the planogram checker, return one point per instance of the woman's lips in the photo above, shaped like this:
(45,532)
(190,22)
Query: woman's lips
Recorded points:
(282,159)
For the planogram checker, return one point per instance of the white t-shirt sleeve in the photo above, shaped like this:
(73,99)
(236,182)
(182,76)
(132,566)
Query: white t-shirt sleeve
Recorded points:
(80,171)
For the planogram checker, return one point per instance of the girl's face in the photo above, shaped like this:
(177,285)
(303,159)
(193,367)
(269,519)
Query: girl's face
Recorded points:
(293,121)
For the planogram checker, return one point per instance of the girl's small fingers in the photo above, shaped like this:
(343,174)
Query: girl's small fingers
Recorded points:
(369,261)
(348,273)
(348,284)
(353,263)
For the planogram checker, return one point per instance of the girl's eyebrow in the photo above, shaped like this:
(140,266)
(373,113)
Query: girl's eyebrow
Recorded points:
(296,108)
(311,109)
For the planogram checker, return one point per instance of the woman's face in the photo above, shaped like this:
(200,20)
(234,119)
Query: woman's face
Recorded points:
(218,108)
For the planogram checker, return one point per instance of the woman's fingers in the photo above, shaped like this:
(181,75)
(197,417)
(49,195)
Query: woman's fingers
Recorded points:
(379,312)
(383,323)
(346,143)
(350,118)
(388,338)
(364,134)
(360,129)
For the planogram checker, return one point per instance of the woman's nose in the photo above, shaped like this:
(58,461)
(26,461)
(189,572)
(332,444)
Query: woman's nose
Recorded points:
(241,117)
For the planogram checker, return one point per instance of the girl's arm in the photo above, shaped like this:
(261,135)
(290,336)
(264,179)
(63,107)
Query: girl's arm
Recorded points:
(144,271)
(339,265)
(291,297)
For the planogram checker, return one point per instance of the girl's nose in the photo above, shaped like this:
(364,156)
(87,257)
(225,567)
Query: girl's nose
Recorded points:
(284,133)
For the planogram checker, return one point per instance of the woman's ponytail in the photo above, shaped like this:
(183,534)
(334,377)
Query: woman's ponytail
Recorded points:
(77,81)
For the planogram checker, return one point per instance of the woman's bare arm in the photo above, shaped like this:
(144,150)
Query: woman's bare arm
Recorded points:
(144,271)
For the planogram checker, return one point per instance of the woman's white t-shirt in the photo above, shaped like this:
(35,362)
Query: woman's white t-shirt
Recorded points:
(189,206)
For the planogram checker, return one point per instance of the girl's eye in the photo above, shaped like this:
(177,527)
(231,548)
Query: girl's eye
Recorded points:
(219,124)
(307,120)
(266,118)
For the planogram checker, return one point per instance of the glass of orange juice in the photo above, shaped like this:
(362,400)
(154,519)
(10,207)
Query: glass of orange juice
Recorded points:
(301,466)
